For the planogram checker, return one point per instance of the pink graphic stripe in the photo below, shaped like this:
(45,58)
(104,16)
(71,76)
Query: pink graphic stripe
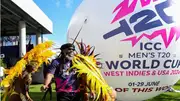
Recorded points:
(174,31)
(61,86)
(145,2)
(125,9)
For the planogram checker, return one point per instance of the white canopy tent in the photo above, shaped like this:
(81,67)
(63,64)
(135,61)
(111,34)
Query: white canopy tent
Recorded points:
(22,18)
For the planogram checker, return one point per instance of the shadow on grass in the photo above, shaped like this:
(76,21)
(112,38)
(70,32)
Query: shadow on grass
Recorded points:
(37,96)
(178,84)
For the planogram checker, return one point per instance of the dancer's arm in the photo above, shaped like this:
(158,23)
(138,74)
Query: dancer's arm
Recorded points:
(28,97)
(49,74)
(47,80)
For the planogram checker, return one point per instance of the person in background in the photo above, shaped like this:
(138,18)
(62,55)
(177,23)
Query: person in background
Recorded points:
(1,76)
(1,73)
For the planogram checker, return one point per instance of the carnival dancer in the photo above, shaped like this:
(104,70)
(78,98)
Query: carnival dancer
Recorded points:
(78,77)
(67,83)
(21,86)
(19,76)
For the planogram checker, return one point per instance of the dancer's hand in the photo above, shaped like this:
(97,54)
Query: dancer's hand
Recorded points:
(92,95)
(113,95)
(29,99)
(44,88)
(89,96)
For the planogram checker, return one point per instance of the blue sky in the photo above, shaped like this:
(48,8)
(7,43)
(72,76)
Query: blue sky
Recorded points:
(60,12)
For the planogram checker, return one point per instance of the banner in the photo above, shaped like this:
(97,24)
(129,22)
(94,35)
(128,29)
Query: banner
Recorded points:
(138,41)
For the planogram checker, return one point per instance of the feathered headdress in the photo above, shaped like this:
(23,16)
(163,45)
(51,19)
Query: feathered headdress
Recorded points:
(35,57)
(87,63)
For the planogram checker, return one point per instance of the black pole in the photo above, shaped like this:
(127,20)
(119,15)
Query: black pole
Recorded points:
(80,30)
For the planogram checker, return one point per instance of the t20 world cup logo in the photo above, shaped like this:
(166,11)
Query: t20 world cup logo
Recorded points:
(147,19)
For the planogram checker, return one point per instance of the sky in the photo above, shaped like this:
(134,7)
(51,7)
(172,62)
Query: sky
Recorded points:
(60,13)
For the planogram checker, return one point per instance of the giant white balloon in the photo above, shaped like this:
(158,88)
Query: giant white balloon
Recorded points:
(138,41)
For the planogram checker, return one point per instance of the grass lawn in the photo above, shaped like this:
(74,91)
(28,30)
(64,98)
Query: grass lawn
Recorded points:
(168,96)
(36,94)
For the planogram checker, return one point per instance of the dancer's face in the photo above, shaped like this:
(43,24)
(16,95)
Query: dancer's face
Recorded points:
(69,53)
(30,69)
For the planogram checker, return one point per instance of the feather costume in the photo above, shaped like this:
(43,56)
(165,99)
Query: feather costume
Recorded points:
(35,57)
(86,64)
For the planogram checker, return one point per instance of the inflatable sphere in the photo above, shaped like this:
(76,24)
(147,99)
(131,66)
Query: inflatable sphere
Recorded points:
(138,42)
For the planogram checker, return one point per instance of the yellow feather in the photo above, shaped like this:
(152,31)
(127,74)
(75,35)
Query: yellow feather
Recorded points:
(87,65)
(36,56)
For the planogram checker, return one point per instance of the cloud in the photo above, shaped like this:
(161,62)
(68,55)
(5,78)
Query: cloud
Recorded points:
(69,3)
(57,3)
